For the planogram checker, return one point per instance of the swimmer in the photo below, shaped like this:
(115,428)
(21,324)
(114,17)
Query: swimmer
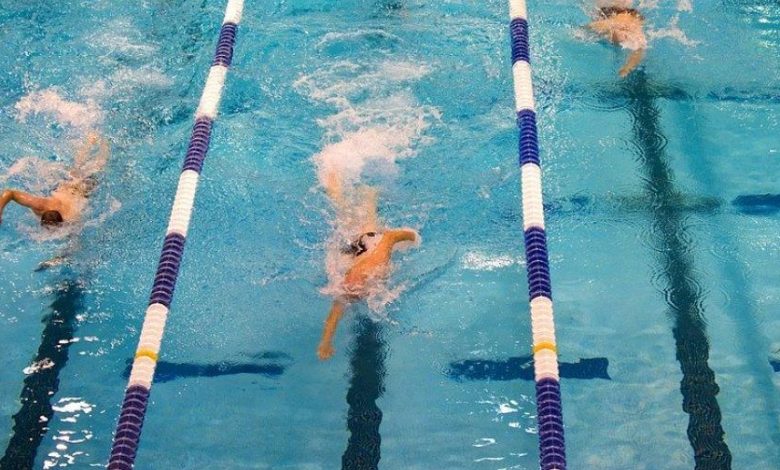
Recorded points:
(622,25)
(368,254)
(68,200)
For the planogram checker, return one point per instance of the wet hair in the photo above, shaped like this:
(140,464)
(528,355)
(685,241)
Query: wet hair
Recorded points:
(355,248)
(358,246)
(51,218)
(608,12)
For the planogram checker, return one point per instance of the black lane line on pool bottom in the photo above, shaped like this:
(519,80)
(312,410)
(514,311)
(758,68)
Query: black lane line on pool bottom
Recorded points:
(766,205)
(366,385)
(31,423)
(682,292)
(167,371)
(514,368)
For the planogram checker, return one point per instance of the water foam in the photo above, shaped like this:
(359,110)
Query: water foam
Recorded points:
(36,174)
(673,32)
(49,102)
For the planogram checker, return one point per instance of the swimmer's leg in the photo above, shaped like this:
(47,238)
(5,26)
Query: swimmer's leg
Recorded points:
(334,190)
(368,209)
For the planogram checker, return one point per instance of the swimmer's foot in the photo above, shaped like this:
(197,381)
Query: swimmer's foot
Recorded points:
(56,261)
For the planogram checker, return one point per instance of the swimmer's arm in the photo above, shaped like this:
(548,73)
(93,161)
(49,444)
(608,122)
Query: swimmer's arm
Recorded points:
(400,235)
(601,26)
(632,62)
(325,349)
(37,204)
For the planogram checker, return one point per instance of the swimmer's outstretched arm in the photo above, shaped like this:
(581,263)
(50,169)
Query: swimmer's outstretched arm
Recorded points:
(37,204)
(400,235)
(325,349)
(601,26)
(632,62)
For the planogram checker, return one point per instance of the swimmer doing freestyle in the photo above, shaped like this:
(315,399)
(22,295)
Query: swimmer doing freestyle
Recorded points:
(367,254)
(69,199)
(622,25)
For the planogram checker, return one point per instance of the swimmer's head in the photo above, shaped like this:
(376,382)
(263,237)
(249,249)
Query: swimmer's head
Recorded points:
(51,219)
(355,248)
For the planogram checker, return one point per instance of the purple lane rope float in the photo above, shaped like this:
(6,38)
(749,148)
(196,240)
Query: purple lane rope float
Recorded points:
(131,416)
(552,452)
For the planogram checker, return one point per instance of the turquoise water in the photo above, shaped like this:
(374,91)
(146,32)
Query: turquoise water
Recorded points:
(661,217)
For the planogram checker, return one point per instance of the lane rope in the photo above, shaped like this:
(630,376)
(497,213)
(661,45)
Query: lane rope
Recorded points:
(552,451)
(134,405)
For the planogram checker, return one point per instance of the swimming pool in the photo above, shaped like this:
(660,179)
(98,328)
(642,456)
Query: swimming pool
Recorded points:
(662,218)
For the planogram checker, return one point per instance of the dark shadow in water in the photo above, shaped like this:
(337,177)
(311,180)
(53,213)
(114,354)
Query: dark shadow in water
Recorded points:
(672,236)
(167,371)
(775,365)
(521,368)
(367,363)
(32,421)
(758,204)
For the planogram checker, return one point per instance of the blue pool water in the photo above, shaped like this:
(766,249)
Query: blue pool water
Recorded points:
(662,213)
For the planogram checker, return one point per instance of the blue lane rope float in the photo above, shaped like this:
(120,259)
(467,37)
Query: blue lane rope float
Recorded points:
(131,417)
(552,452)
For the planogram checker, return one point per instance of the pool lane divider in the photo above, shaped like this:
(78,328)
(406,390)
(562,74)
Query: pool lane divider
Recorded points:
(131,417)
(552,453)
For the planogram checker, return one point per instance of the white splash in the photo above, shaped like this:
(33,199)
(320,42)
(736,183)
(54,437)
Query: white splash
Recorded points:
(378,133)
(35,174)
(673,32)
(477,261)
(50,103)
(126,81)
(685,5)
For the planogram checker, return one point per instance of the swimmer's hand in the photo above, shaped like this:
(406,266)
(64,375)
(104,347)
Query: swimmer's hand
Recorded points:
(325,351)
